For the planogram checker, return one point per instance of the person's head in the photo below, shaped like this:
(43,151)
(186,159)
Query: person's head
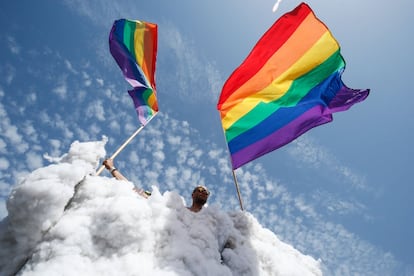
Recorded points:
(200,195)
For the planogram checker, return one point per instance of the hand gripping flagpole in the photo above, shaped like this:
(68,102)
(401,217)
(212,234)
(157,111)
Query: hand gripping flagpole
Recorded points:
(99,171)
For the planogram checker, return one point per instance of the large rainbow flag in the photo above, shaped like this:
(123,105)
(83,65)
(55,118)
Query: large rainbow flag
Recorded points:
(289,83)
(133,44)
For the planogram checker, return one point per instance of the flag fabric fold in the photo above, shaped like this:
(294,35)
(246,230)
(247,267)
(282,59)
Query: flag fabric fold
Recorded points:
(288,84)
(133,45)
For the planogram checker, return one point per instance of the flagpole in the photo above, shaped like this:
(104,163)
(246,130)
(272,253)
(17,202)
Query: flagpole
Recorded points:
(238,190)
(234,174)
(99,171)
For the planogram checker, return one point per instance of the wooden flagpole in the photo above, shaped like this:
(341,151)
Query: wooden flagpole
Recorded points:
(99,171)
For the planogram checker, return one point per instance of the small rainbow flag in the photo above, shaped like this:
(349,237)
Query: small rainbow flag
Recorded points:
(289,83)
(133,44)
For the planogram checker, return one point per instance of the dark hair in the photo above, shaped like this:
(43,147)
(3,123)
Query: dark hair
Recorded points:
(201,186)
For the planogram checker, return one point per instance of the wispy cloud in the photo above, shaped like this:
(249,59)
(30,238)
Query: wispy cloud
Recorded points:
(9,73)
(34,160)
(197,77)
(306,150)
(96,109)
(11,133)
(13,46)
(4,163)
(69,66)
(61,90)
(55,147)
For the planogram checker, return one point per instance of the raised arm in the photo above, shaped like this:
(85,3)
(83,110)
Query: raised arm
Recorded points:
(109,165)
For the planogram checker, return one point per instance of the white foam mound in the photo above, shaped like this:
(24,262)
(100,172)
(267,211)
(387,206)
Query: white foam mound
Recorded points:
(108,229)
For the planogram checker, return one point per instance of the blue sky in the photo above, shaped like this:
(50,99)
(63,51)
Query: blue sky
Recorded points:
(342,192)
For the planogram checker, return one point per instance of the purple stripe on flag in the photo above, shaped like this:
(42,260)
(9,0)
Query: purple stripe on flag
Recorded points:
(283,136)
(318,115)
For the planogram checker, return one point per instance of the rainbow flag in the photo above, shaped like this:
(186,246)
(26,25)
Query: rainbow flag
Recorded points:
(133,44)
(289,83)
